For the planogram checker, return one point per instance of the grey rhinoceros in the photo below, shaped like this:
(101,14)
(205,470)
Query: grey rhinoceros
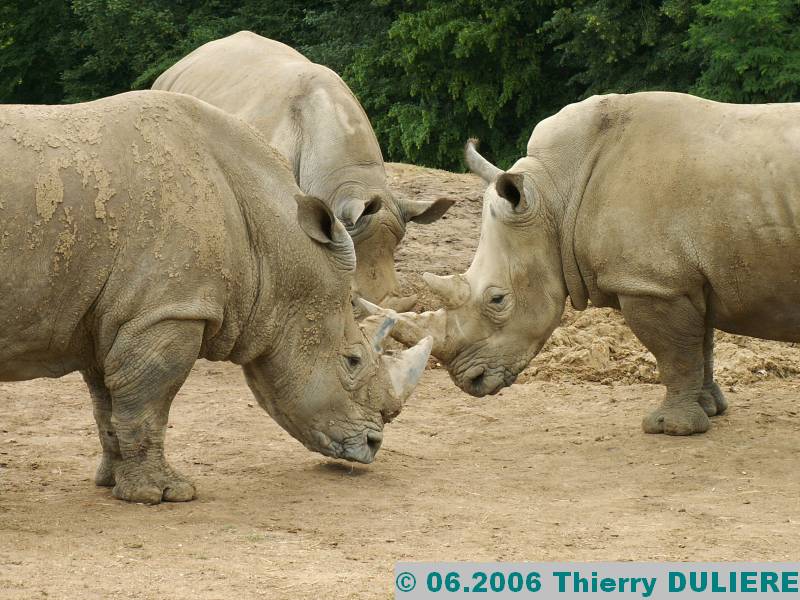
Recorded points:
(681,212)
(142,231)
(309,114)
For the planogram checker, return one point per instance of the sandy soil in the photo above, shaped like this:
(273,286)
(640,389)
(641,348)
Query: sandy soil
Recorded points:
(553,468)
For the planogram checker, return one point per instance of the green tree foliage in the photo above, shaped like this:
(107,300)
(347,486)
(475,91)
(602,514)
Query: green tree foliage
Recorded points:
(429,72)
(750,50)
(35,49)
(446,70)
(624,45)
(126,44)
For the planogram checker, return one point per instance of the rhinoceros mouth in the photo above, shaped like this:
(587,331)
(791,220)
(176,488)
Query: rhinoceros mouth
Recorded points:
(482,381)
(483,378)
(480,376)
(360,448)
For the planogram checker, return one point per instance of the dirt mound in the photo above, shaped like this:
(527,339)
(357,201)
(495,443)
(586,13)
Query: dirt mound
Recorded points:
(594,345)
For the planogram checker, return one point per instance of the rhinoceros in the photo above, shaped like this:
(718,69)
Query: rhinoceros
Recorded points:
(309,114)
(143,231)
(681,212)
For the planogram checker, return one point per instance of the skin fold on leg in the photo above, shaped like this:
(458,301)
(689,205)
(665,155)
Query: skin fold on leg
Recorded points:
(674,331)
(143,371)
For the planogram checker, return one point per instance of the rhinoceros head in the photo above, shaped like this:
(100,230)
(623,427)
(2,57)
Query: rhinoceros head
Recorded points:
(377,221)
(498,314)
(327,380)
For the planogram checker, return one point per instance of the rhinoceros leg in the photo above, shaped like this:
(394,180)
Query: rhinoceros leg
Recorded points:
(101,400)
(143,371)
(711,397)
(674,332)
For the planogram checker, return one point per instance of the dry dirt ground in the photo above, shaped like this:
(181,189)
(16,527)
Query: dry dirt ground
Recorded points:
(553,468)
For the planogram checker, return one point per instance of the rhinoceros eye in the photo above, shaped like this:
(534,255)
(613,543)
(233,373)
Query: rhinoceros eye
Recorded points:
(497,298)
(353,361)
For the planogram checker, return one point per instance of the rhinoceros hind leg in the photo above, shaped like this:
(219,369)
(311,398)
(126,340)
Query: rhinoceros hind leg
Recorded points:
(711,397)
(673,331)
(143,371)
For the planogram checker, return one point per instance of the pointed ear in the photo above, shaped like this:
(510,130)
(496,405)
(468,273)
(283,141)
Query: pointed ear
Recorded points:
(318,222)
(373,205)
(315,218)
(353,209)
(426,211)
(511,187)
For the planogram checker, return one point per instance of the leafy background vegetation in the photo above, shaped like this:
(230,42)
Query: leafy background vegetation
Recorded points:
(430,73)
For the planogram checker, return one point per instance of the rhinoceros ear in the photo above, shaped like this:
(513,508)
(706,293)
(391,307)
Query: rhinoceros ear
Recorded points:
(352,209)
(319,223)
(511,187)
(425,211)
(315,218)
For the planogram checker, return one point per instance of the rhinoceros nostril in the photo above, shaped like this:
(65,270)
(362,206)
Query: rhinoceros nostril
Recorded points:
(475,376)
(374,441)
(388,417)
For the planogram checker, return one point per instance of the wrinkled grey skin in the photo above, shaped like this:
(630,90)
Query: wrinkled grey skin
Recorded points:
(681,212)
(143,231)
(309,114)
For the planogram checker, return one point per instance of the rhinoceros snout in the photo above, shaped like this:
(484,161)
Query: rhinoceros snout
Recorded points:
(480,381)
(365,452)
(358,449)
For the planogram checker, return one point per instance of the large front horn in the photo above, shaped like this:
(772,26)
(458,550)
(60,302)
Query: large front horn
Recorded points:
(477,164)
(453,290)
(406,369)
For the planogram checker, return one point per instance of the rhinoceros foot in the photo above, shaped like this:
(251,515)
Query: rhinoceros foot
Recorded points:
(713,400)
(677,418)
(151,483)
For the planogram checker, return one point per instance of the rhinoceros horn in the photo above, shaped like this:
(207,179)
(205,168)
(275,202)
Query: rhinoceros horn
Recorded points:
(377,327)
(477,164)
(406,369)
(453,290)
(410,327)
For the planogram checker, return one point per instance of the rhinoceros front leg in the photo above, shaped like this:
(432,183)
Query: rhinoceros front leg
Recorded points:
(143,371)
(674,332)
(711,397)
(101,401)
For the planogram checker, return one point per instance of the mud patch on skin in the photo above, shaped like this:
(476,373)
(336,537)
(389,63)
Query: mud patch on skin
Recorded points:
(172,177)
(67,149)
(50,190)
(66,240)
